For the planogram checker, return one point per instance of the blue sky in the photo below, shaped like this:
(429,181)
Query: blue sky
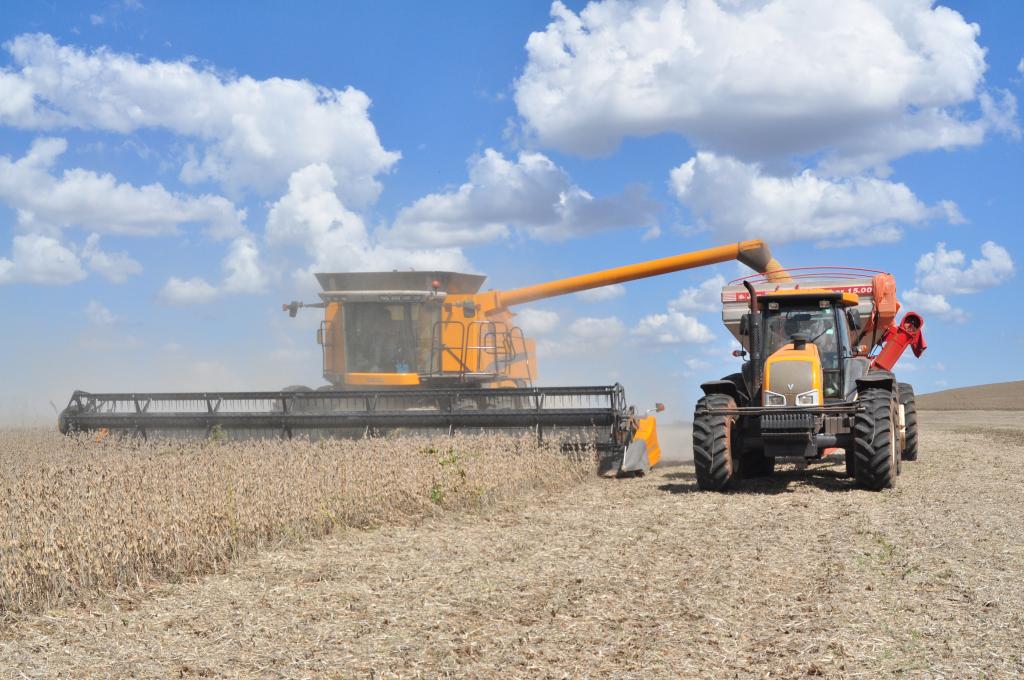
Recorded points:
(170,173)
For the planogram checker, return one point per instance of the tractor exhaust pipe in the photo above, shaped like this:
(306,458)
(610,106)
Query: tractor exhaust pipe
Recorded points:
(755,342)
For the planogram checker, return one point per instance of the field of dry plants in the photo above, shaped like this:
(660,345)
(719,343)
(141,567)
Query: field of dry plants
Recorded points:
(800,575)
(79,516)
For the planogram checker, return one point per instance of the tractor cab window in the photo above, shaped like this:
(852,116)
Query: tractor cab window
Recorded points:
(817,325)
(386,338)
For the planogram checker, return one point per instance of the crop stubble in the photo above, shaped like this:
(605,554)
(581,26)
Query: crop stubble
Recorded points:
(793,577)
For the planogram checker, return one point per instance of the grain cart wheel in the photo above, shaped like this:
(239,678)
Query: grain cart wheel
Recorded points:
(713,443)
(910,416)
(876,440)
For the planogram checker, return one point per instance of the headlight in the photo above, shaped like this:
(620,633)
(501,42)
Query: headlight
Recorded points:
(774,399)
(808,398)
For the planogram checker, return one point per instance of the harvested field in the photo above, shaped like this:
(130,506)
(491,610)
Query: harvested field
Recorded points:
(796,576)
(1007,396)
(79,516)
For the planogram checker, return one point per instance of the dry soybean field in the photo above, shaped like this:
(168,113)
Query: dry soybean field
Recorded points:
(532,569)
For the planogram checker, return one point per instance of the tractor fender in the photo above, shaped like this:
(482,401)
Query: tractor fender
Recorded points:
(878,379)
(726,387)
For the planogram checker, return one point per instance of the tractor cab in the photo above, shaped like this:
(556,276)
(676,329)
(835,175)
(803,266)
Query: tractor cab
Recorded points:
(807,341)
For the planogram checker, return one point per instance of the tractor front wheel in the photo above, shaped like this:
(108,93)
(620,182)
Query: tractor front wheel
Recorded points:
(876,439)
(909,404)
(713,449)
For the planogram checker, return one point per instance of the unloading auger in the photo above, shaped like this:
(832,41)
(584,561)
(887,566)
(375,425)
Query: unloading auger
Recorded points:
(414,351)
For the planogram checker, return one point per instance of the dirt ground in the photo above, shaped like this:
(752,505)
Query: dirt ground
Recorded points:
(796,576)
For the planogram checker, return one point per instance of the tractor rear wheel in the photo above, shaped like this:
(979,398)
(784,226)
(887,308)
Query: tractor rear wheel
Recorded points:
(876,439)
(713,450)
(910,418)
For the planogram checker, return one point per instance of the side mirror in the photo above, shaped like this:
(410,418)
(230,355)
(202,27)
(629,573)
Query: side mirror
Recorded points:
(853,316)
(745,324)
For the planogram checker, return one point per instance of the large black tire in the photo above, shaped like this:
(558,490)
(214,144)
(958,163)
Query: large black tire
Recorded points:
(713,458)
(910,417)
(876,440)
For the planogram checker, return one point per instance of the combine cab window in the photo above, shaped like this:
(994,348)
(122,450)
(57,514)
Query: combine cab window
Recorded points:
(387,338)
(818,325)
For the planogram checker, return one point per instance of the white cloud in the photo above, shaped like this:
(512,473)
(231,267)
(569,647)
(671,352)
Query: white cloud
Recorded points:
(115,267)
(312,216)
(738,201)
(531,194)
(48,202)
(40,259)
(536,321)
(946,271)
(194,291)
(602,294)
(99,315)
(245,272)
(1020,66)
(96,20)
(672,328)
(246,132)
(600,330)
(707,297)
(587,334)
(934,304)
(868,80)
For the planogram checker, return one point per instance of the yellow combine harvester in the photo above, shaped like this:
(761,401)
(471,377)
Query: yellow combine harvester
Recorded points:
(415,351)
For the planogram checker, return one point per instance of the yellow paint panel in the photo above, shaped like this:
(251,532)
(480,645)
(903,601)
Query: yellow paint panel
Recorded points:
(809,354)
(378,379)
(647,431)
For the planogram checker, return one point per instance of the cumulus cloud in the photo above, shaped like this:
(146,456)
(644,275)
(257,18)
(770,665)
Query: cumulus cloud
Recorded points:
(530,194)
(738,200)
(942,272)
(99,315)
(947,271)
(115,267)
(40,259)
(602,294)
(45,201)
(707,297)
(934,304)
(536,321)
(193,291)
(672,328)
(245,272)
(587,332)
(867,80)
(312,216)
(247,133)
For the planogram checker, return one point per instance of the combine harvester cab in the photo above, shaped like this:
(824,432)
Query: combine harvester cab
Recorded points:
(409,352)
(819,349)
